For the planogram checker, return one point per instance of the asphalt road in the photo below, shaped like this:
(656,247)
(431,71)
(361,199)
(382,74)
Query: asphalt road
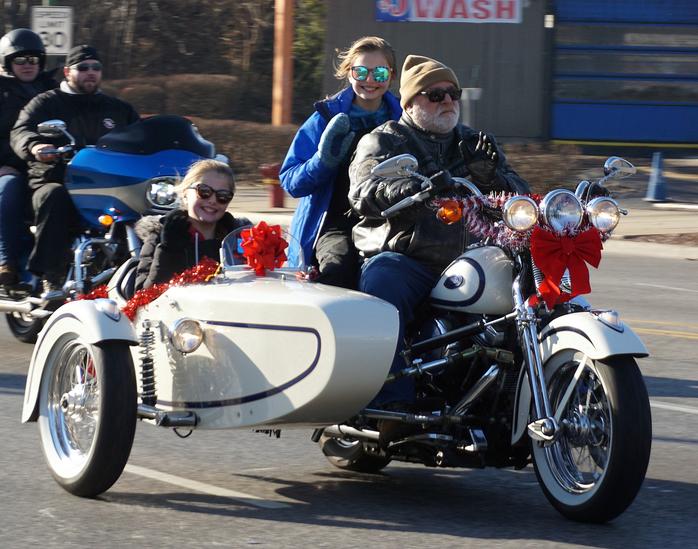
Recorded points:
(303,501)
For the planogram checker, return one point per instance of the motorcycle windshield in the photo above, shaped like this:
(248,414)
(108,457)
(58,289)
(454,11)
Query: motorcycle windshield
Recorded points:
(232,251)
(155,134)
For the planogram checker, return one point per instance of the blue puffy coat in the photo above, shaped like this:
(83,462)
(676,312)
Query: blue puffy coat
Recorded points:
(304,176)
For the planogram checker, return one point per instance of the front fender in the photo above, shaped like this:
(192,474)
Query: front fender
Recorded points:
(85,318)
(582,332)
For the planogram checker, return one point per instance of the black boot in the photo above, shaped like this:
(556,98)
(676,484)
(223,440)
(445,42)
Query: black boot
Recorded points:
(8,275)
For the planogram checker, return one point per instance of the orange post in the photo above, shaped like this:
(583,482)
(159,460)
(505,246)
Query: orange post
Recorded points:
(282,86)
(270,175)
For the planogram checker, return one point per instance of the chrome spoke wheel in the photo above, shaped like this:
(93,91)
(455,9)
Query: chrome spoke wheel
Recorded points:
(579,458)
(73,403)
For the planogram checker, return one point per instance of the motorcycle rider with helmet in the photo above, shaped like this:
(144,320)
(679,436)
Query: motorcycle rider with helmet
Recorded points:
(405,254)
(88,114)
(22,76)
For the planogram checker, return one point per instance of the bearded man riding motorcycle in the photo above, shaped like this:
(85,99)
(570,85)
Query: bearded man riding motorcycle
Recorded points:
(88,114)
(405,254)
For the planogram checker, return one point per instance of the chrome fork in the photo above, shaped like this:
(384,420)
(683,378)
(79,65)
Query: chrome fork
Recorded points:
(544,427)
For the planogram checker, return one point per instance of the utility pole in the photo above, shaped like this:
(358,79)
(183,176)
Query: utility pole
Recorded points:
(282,88)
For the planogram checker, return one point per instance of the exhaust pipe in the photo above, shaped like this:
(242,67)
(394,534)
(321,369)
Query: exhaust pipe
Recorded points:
(342,431)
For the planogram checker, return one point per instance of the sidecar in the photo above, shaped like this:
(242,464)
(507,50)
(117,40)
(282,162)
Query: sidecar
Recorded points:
(240,350)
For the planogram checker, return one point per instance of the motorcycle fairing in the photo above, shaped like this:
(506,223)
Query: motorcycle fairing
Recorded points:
(583,332)
(79,317)
(99,179)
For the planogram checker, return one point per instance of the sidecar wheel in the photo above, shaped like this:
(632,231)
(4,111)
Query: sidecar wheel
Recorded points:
(351,455)
(87,413)
(593,472)
(23,327)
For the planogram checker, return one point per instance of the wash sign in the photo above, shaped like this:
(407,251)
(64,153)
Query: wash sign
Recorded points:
(449,11)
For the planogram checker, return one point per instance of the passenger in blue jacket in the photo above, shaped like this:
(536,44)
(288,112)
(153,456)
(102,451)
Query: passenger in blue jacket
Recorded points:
(316,166)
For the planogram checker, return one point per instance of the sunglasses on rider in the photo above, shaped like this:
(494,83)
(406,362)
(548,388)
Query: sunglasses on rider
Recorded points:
(204,192)
(380,74)
(84,67)
(26,60)
(437,95)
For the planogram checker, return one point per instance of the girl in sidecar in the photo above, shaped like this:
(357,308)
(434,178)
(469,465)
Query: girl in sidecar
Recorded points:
(176,241)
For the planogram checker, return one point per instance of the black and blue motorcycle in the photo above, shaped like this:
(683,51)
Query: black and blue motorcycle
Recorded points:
(128,173)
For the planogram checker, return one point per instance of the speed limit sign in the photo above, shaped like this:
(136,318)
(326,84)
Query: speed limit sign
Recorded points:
(55,26)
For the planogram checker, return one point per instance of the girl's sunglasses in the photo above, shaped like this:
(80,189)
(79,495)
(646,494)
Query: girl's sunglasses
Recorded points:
(380,74)
(24,60)
(437,95)
(204,192)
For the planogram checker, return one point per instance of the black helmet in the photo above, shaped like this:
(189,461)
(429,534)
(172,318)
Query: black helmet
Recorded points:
(20,42)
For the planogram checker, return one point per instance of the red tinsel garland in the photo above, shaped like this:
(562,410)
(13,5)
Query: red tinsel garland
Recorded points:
(263,246)
(195,275)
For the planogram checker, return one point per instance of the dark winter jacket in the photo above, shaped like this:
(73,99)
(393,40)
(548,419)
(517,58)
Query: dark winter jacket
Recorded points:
(158,263)
(415,231)
(14,95)
(87,116)
(304,176)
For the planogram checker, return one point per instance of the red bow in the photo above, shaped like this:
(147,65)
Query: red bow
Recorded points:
(263,246)
(554,254)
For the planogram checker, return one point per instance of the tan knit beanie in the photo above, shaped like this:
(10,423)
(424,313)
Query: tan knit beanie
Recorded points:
(419,72)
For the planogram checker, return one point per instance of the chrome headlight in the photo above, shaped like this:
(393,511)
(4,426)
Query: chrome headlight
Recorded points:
(603,213)
(561,210)
(520,213)
(186,335)
(161,192)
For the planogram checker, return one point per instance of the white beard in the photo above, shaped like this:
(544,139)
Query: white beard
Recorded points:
(433,123)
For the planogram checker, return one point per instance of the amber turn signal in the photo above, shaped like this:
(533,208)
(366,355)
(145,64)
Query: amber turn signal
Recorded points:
(450,212)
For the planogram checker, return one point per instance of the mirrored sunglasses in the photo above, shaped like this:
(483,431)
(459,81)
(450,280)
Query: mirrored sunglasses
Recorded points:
(24,60)
(204,192)
(437,95)
(380,74)
(83,67)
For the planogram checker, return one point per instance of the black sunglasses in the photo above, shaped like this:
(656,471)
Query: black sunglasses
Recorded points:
(83,67)
(203,191)
(437,95)
(24,60)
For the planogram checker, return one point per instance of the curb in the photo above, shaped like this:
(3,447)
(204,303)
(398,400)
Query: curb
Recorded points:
(675,206)
(650,249)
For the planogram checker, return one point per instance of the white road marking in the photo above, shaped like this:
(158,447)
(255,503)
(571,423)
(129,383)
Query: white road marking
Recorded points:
(204,488)
(673,407)
(666,287)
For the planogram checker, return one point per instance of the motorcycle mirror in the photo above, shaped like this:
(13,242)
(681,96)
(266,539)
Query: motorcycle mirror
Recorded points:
(618,168)
(52,128)
(398,166)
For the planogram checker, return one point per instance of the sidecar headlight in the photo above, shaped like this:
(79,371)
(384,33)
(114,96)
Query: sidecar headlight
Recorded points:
(161,192)
(603,213)
(561,210)
(520,213)
(186,335)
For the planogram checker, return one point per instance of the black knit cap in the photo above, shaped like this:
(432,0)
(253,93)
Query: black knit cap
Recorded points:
(81,53)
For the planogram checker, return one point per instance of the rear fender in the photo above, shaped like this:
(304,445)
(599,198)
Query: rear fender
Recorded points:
(86,318)
(584,332)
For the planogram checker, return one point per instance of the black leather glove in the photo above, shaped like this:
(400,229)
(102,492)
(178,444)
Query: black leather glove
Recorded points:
(481,157)
(391,192)
(175,231)
(442,181)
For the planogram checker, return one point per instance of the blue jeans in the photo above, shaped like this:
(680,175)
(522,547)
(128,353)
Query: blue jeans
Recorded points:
(404,282)
(15,238)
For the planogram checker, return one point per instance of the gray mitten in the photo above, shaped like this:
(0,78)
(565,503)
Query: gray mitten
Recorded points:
(335,141)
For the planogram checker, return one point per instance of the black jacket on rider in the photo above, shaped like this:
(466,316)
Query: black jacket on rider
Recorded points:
(14,95)
(415,231)
(87,116)
(158,263)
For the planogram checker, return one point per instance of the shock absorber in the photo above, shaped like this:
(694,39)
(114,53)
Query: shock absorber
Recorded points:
(146,343)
